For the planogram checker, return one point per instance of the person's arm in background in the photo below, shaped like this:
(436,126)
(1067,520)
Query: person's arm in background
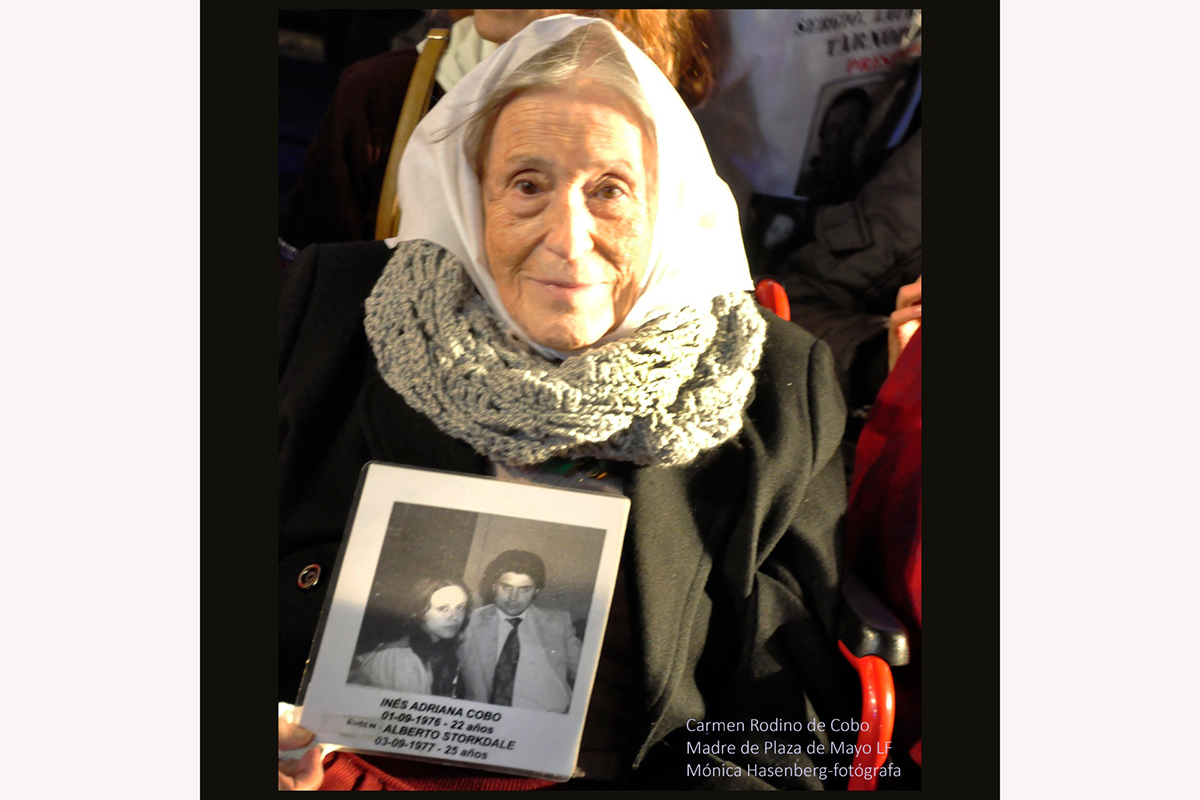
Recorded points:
(842,285)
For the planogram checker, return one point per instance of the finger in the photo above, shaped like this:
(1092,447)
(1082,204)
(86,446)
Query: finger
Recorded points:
(906,331)
(293,736)
(909,293)
(293,767)
(288,712)
(907,296)
(302,774)
(287,783)
(904,315)
(898,338)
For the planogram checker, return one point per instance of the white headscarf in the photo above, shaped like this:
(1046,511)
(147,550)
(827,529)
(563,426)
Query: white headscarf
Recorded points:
(697,252)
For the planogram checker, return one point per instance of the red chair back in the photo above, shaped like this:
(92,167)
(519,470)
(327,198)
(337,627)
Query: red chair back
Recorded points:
(771,295)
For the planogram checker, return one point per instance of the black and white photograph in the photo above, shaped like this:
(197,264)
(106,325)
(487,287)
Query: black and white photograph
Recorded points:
(842,110)
(465,620)
(483,607)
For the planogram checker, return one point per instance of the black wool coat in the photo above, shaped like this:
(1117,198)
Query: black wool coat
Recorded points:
(733,561)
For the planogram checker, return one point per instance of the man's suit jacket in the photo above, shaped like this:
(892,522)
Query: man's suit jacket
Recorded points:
(480,648)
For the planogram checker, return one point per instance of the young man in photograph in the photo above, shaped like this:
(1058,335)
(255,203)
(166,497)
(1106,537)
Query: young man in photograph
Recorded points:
(516,653)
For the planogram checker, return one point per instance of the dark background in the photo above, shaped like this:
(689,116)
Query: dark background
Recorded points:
(314,48)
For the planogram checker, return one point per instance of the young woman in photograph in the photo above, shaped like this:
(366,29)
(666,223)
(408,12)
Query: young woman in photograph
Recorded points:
(425,659)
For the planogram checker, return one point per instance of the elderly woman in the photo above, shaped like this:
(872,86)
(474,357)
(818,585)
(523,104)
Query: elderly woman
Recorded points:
(569,288)
(425,659)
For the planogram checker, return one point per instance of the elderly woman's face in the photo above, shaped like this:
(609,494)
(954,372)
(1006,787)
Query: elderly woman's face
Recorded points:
(446,614)
(569,192)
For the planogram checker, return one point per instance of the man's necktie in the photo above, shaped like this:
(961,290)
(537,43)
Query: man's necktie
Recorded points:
(506,667)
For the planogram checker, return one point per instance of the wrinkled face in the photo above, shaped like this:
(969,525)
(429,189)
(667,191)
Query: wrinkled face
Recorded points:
(446,614)
(501,24)
(569,193)
(515,592)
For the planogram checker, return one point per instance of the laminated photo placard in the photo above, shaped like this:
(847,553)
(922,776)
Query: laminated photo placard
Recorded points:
(465,621)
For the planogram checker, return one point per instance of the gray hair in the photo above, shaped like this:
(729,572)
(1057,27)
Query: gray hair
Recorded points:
(590,54)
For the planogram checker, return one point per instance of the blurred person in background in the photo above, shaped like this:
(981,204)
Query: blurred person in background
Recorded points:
(337,195)
(883,516)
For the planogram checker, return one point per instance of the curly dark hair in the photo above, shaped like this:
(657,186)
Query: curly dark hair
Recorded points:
(520,561)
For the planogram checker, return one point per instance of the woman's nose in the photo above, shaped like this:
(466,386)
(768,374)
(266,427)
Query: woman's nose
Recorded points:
(570,227)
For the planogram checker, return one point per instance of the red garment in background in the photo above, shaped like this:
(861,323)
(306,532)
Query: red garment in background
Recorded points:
(883,523)
(353,772)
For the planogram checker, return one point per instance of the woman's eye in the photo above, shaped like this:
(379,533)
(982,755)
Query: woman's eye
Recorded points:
(527,187)
(610,192)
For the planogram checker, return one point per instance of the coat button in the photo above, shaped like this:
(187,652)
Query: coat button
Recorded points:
(309,576)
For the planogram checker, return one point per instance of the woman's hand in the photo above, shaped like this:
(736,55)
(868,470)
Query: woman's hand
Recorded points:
(302,774)
(904,321)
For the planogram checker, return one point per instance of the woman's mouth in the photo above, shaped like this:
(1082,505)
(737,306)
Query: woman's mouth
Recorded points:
(564,289)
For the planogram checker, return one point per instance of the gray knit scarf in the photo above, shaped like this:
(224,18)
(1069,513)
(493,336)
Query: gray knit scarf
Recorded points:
(672,390)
